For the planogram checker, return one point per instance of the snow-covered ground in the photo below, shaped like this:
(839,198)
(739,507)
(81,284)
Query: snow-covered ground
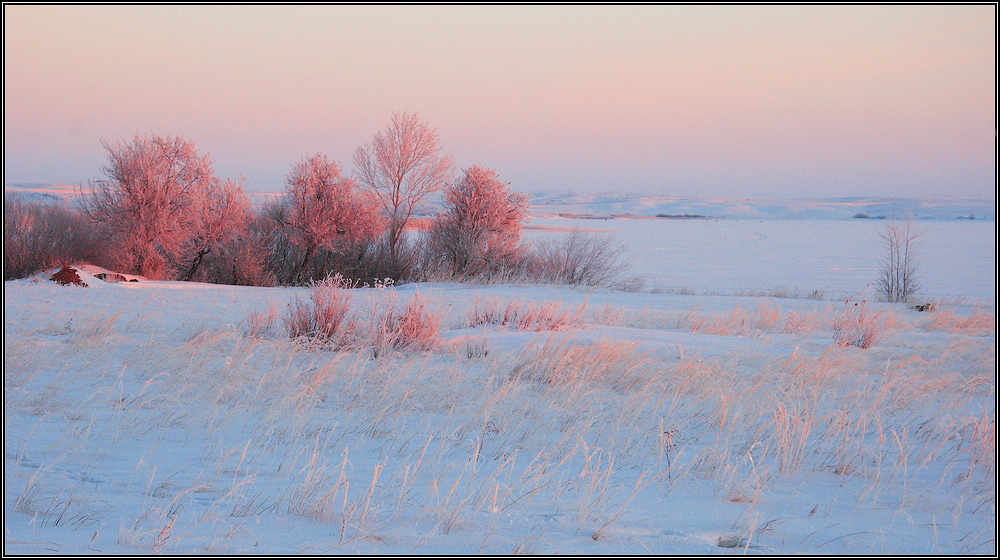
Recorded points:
(832,259)
(711,412)
(144,417)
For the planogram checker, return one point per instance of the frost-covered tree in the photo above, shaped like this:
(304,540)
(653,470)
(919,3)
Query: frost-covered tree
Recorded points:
(327,210)
(480,227)
(221,220)
(402,165)
(153,204)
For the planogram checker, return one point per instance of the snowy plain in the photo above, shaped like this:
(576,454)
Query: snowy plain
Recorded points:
(702,415)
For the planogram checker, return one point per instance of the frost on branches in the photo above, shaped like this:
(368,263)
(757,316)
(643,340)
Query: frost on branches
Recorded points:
(402,165)
(480,228)
(162,205)
(327,210)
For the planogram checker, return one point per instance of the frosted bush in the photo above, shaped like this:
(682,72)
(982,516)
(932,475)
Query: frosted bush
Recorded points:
(324,320)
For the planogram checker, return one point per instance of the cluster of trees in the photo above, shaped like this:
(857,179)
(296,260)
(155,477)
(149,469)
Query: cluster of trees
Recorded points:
(161,212)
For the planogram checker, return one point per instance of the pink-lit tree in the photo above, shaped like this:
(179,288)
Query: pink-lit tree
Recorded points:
(153,203)
(327,210)
(480,227)
(402,165)
(224,213)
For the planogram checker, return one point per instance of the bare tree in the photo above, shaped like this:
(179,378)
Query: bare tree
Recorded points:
(402,165)
(151,201)
(327,210)
(481,225)
(898,279)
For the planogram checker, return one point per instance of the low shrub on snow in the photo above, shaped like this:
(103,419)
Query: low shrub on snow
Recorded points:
(385,326)
(324,319)
(414,327)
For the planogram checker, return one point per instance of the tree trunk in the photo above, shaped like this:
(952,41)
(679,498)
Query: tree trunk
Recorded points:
(196,263)
(305,261)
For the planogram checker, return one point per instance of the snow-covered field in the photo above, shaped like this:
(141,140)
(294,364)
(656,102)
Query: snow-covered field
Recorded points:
(711,412)
(831,259)
(146,418)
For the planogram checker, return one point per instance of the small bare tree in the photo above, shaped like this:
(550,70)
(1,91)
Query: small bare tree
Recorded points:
(481,225)
(327,210)
(402,165)
(898,279)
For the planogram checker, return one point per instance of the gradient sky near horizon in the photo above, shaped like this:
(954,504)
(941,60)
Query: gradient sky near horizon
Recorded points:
(749,101)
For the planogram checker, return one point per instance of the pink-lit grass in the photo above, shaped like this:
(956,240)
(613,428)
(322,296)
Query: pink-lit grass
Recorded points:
(438,446)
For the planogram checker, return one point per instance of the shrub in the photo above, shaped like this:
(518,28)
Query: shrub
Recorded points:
(581,258)
(323,320)
(547,316)
(383,328)
(413,328)
(40,236)
(480,228)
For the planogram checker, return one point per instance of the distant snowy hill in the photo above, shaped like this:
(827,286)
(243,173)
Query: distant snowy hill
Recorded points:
(612,205)
(42,192)
(607,205)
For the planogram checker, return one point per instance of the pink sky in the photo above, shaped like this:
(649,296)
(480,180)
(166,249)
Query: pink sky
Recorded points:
(720,100)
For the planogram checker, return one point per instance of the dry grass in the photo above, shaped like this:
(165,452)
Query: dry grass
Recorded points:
(560,362)
(260,323)
(215,433)
(857,326)
(522,315)
(978,323)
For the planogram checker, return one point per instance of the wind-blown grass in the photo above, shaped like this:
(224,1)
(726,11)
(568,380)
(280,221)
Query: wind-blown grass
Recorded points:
(123,436)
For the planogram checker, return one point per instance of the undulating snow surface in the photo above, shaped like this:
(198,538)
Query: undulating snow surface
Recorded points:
(145,417)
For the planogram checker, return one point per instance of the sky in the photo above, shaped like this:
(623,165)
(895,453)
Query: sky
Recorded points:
(728,101)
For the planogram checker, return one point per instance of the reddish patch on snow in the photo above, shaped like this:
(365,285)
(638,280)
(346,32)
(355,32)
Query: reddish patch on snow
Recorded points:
(66,276)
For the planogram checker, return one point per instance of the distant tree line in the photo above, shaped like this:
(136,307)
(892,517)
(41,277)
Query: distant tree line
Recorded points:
(161,212)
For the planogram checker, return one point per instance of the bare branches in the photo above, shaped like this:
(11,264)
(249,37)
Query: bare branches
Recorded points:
(402,165)
(898,278)
(327,210)
(582,258)
(481,225)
